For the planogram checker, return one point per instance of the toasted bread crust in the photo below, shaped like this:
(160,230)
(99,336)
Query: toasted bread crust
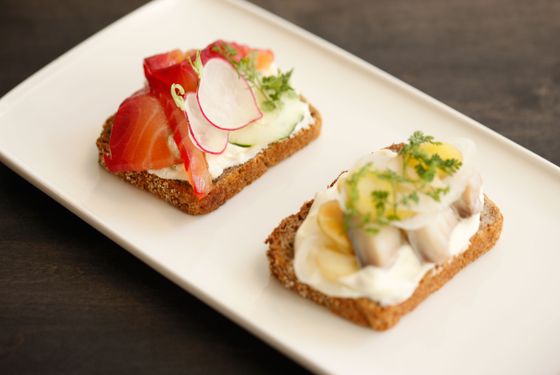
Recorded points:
(364,311)
(180,193)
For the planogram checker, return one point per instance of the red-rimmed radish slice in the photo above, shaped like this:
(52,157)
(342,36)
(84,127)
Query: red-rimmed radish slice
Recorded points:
(205,136)
(225,97)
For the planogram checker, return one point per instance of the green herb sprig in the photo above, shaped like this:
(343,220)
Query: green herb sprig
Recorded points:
(405,188)
(427,166)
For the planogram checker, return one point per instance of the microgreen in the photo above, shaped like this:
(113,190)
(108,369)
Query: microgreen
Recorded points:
(177,92)
(197,64)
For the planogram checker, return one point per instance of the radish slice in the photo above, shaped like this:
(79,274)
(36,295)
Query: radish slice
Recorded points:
(205,137)
(225,97)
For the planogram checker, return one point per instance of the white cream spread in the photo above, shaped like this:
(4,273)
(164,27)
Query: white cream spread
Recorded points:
(231,157)
(388,286)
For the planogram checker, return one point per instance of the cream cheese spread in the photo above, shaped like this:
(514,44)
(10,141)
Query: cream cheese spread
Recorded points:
(232,156)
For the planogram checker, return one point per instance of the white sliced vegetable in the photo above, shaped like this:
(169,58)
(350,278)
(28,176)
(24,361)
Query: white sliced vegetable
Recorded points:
(225,97)
(205,137)
(274,125)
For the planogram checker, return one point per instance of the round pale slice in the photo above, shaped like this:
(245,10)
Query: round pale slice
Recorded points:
(225,97)
(334,265)
(331,221)
(205,137)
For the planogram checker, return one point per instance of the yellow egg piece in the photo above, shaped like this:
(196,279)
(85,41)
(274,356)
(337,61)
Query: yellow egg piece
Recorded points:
(331,221)
(401,214)
(365,204)
(366,186)
(334,265)
(444,150)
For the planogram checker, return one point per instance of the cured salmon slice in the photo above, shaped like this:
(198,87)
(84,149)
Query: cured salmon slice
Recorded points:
(140,136)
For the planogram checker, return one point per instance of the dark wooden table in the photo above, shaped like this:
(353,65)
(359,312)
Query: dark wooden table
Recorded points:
(73,301)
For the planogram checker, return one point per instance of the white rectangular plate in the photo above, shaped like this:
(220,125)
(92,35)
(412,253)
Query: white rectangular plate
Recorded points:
(500,315)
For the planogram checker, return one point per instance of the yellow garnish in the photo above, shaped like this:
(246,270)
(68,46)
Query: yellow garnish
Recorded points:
(333,264)
(331,221)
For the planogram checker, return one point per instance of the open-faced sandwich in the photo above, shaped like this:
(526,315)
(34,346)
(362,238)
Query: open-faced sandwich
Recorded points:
(208,123)
(389,232)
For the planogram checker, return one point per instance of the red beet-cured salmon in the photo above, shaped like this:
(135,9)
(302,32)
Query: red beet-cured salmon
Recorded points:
(162,71)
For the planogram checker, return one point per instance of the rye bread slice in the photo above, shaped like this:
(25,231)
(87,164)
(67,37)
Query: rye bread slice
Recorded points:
(364,311)
(180,193)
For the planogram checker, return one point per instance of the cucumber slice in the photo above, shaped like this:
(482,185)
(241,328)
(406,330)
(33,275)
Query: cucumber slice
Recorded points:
(273,126)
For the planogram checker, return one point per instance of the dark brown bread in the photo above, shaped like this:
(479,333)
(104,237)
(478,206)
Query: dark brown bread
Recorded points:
(364,311)
(180,193)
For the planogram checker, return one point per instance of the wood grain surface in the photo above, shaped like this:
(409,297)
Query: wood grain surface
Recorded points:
(71,301)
